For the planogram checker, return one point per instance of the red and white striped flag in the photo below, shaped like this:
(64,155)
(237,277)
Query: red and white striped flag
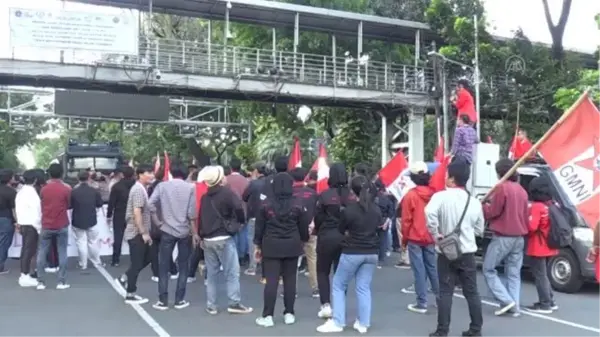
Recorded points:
(296,156)
(392,177)
(167,173)
(322,168)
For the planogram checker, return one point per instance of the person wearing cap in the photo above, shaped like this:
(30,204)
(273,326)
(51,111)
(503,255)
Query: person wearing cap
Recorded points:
(221,214)
(85,201)
(416,238)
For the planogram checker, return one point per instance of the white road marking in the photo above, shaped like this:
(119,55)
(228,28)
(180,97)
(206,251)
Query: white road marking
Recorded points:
(152,323)
(544,317)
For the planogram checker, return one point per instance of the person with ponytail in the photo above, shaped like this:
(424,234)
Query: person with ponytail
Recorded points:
(359,221)
(281,230)
(327,228)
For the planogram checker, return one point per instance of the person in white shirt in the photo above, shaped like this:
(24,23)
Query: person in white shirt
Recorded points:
(28,209)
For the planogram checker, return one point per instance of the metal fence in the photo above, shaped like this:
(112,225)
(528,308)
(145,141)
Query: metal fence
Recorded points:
(219,60)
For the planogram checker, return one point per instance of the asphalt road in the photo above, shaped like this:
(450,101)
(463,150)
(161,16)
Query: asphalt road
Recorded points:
(93,307)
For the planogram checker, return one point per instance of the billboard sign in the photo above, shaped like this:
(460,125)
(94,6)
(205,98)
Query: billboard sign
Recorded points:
(68,30)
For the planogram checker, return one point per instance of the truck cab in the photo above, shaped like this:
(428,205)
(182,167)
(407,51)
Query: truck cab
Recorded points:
(567,271)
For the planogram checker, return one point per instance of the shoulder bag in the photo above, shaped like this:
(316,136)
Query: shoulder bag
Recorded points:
(450,245)
(231,226)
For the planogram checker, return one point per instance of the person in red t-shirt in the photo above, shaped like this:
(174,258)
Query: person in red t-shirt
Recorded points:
(537,244)
(464,103)
(521,145)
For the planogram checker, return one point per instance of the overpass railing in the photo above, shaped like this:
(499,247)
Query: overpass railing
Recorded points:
(220,60)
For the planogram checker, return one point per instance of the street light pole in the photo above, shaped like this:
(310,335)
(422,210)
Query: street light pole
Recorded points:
(477,80)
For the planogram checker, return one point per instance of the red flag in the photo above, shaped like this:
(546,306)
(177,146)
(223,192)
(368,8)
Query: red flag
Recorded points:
(392,177)
(296,156)
(438,178)
(322,169)
(167,174)
(439,151)
(572,149)
(157,163)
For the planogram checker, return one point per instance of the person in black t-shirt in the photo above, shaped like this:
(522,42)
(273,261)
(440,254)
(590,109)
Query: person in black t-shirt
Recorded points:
(360,221)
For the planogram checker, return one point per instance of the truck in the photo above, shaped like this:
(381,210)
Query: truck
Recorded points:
(568,270)
(103,157)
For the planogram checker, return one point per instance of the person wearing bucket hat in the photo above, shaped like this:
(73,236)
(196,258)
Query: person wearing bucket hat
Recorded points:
(221,216)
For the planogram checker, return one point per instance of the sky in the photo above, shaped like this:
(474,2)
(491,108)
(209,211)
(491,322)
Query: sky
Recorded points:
(504,16)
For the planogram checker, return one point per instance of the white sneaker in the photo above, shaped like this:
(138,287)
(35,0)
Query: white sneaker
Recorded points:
(191,280)
(358,327)
(265,322)
(289,318)
(50,270)
(27,281)
(40,286)
(63,286)
(504,309)
(329,326)
(325,311)
(154,279)
(174,277)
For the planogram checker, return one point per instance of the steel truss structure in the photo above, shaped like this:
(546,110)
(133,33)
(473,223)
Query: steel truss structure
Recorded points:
(193,118)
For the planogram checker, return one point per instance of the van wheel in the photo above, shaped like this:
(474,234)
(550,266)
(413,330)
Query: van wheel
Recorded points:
(564,272)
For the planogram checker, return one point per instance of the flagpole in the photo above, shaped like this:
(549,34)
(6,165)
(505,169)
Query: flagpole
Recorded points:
(537,144)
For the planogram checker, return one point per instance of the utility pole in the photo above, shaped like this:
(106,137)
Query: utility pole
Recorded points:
(437,91)
(477,79)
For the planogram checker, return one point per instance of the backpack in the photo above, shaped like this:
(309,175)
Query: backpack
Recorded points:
(561,232)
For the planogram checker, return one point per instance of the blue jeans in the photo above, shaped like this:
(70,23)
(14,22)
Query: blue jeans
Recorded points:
(250,231)
(165,258)
(362,268)
(241,241)
(423,262)
(216,254)
(7,232)
(62,241)
(507,249)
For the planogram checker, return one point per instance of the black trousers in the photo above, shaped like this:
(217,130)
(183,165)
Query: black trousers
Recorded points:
(328,255)
(197,256)
(29,249)
(273,268)
(154,258)
(542,283)
(465,271)
(118,232)
(139,254)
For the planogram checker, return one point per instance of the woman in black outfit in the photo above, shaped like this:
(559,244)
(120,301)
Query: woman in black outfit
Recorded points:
(327,228)
(360,221)
(281,229)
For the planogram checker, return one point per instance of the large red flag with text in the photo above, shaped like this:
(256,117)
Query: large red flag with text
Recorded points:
(296,155)
(572,150)
(393,178)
